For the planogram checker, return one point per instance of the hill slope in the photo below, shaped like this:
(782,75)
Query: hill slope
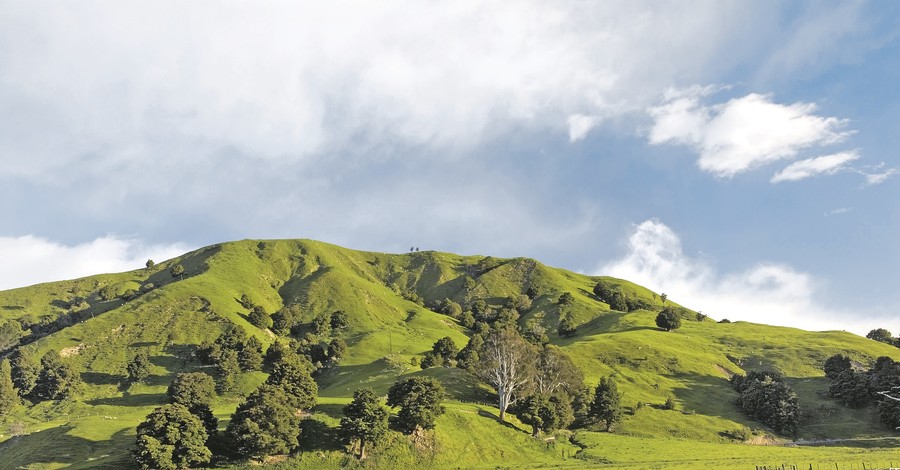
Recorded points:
(388,326)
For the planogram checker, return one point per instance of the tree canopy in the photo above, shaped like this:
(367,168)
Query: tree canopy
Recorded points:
(419,399)
(171,438)
(365,421)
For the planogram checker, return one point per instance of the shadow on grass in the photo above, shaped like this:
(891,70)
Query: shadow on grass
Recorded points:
(333,410)
(128,399)
(316,435)
(101,378)
(52,447)
(143,344)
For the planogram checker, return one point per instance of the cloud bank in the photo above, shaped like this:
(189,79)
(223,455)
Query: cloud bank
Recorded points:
(770,293)
(31,260)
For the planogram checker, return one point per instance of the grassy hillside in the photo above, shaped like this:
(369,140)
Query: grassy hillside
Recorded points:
(384,296)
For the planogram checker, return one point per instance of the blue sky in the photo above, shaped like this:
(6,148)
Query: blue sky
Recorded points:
(739,156)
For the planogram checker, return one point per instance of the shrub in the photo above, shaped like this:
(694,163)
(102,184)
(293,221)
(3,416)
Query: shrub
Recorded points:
(668,319)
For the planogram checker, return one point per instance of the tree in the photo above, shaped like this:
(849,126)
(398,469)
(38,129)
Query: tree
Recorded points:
(468,356)
(139,368)
(882,335)
(365,421)
(25,371)
(228,368)
(287,319)
(292,374)
(149,264)
(195,391)
(766,398)
(851,389)
(668,319)
(446,350)
(171,438)
(259,318)
(56,380)
(339,320)
(606,406)
(419,399)
(322,325)
(556,373)
(8,396)
(107,293)
(566,328)
(264,424)
(337,349)
(250,356)
(566,299)
(506,362)
(545,413)
(10,334)
(836,364)
(177,271)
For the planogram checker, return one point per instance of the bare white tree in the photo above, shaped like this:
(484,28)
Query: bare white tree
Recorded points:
(507,362)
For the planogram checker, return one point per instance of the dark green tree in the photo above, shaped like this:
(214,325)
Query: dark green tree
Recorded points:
(836,364)
(322,325)
(149,264)
(566,299)
(138,368)
(566,328)
(8,396)
(337,349)
(606,406)
(769,400)
(339,321)
(888,411)
(545,413)
(668,319)
(292,374)
(419,399)
(56,380)
(177,271)
(882,335)
(468,356)
(259,318)
(171,438)
(851,389)
(195,390)
(25,371)
(228,368)
(275,353)
(264,424)
(289,318)
(10,334)
(445,350)
(365,421)
(250,356)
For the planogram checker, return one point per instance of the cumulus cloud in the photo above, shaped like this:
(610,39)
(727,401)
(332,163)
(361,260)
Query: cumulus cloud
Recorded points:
(580,126)
(827,165)
(30,260)
(770,293)
(743,133)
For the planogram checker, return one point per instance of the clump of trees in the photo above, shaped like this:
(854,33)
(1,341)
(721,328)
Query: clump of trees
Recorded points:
(880,385)
(884,336)
(765,397)
(195,391)
(617,300)
(231,353)
(443,353)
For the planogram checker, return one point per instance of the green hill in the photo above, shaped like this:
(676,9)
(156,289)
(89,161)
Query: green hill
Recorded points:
(384,296)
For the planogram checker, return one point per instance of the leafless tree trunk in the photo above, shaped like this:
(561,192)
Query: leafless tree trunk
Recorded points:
(507,363)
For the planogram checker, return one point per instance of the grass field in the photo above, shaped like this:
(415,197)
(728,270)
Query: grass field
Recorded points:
(386,331)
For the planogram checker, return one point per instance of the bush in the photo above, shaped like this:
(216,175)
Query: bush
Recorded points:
(836,364)
(171,438)
(259,318)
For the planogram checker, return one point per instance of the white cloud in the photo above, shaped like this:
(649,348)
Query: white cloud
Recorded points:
(742,134)
(30,260)
(839,211)
(877,178)
(580,126)
(770,293)
(175,82)
(828,165)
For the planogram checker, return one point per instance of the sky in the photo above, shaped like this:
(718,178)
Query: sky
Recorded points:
(739,156)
